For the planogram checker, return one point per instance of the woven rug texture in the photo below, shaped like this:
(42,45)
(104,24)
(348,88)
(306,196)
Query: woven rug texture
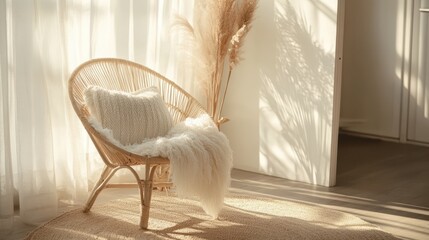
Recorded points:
(244,216)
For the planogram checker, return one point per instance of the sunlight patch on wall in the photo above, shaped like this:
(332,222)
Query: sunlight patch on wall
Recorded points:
(296,93)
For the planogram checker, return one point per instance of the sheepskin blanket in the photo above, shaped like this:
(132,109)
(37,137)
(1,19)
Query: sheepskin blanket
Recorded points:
(200,156)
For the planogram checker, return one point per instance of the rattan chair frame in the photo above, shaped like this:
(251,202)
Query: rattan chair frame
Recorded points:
(128,76)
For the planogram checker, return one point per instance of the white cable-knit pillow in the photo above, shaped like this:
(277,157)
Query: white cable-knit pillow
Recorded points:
(132,117)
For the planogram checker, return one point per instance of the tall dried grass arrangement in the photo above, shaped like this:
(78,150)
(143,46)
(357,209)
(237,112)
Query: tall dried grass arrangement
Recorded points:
(219,29)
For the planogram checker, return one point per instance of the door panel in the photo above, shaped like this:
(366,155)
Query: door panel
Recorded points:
(373,65)
(418,119)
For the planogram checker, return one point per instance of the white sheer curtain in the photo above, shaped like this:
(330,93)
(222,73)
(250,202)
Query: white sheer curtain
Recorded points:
(45,155)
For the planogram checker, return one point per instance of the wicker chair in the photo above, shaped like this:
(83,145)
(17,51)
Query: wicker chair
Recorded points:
(123,75)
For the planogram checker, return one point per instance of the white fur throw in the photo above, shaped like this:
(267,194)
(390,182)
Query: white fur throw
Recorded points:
(132,117)
(200,156)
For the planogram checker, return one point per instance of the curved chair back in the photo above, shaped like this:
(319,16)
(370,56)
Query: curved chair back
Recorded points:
(124,75)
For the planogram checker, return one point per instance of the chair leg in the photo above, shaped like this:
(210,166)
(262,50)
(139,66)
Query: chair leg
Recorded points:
(146,198)
(145,189)
(99,186)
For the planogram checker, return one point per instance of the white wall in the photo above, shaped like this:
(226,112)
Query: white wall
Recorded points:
(280,100)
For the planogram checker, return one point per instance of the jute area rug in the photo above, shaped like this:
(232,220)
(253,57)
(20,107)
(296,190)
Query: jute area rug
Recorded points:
(244,216)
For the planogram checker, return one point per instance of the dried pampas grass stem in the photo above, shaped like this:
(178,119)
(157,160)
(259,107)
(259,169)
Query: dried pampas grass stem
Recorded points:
(219,29)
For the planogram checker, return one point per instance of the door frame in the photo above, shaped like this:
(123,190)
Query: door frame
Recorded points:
(337,91)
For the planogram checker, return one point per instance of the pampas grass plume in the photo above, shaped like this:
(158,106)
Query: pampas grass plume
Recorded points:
(219,29)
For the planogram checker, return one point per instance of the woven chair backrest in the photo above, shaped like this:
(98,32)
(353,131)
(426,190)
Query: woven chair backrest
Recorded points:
(124,75)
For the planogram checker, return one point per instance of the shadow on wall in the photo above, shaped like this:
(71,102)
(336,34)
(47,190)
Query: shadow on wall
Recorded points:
(296,100)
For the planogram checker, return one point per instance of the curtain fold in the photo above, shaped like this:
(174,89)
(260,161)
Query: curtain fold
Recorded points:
(6,172)
(46,157)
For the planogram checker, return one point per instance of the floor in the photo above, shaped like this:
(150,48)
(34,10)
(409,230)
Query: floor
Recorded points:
(384,183)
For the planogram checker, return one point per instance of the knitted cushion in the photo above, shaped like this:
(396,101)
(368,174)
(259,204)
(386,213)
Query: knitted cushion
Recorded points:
(132,117)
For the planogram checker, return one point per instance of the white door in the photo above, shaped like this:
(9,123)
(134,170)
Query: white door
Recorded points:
(372,80)
(418,118)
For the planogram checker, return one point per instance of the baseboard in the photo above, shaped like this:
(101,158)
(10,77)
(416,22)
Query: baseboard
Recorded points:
(383,138)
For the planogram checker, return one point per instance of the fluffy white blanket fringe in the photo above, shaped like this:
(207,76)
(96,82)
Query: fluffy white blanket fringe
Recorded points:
(200,157)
